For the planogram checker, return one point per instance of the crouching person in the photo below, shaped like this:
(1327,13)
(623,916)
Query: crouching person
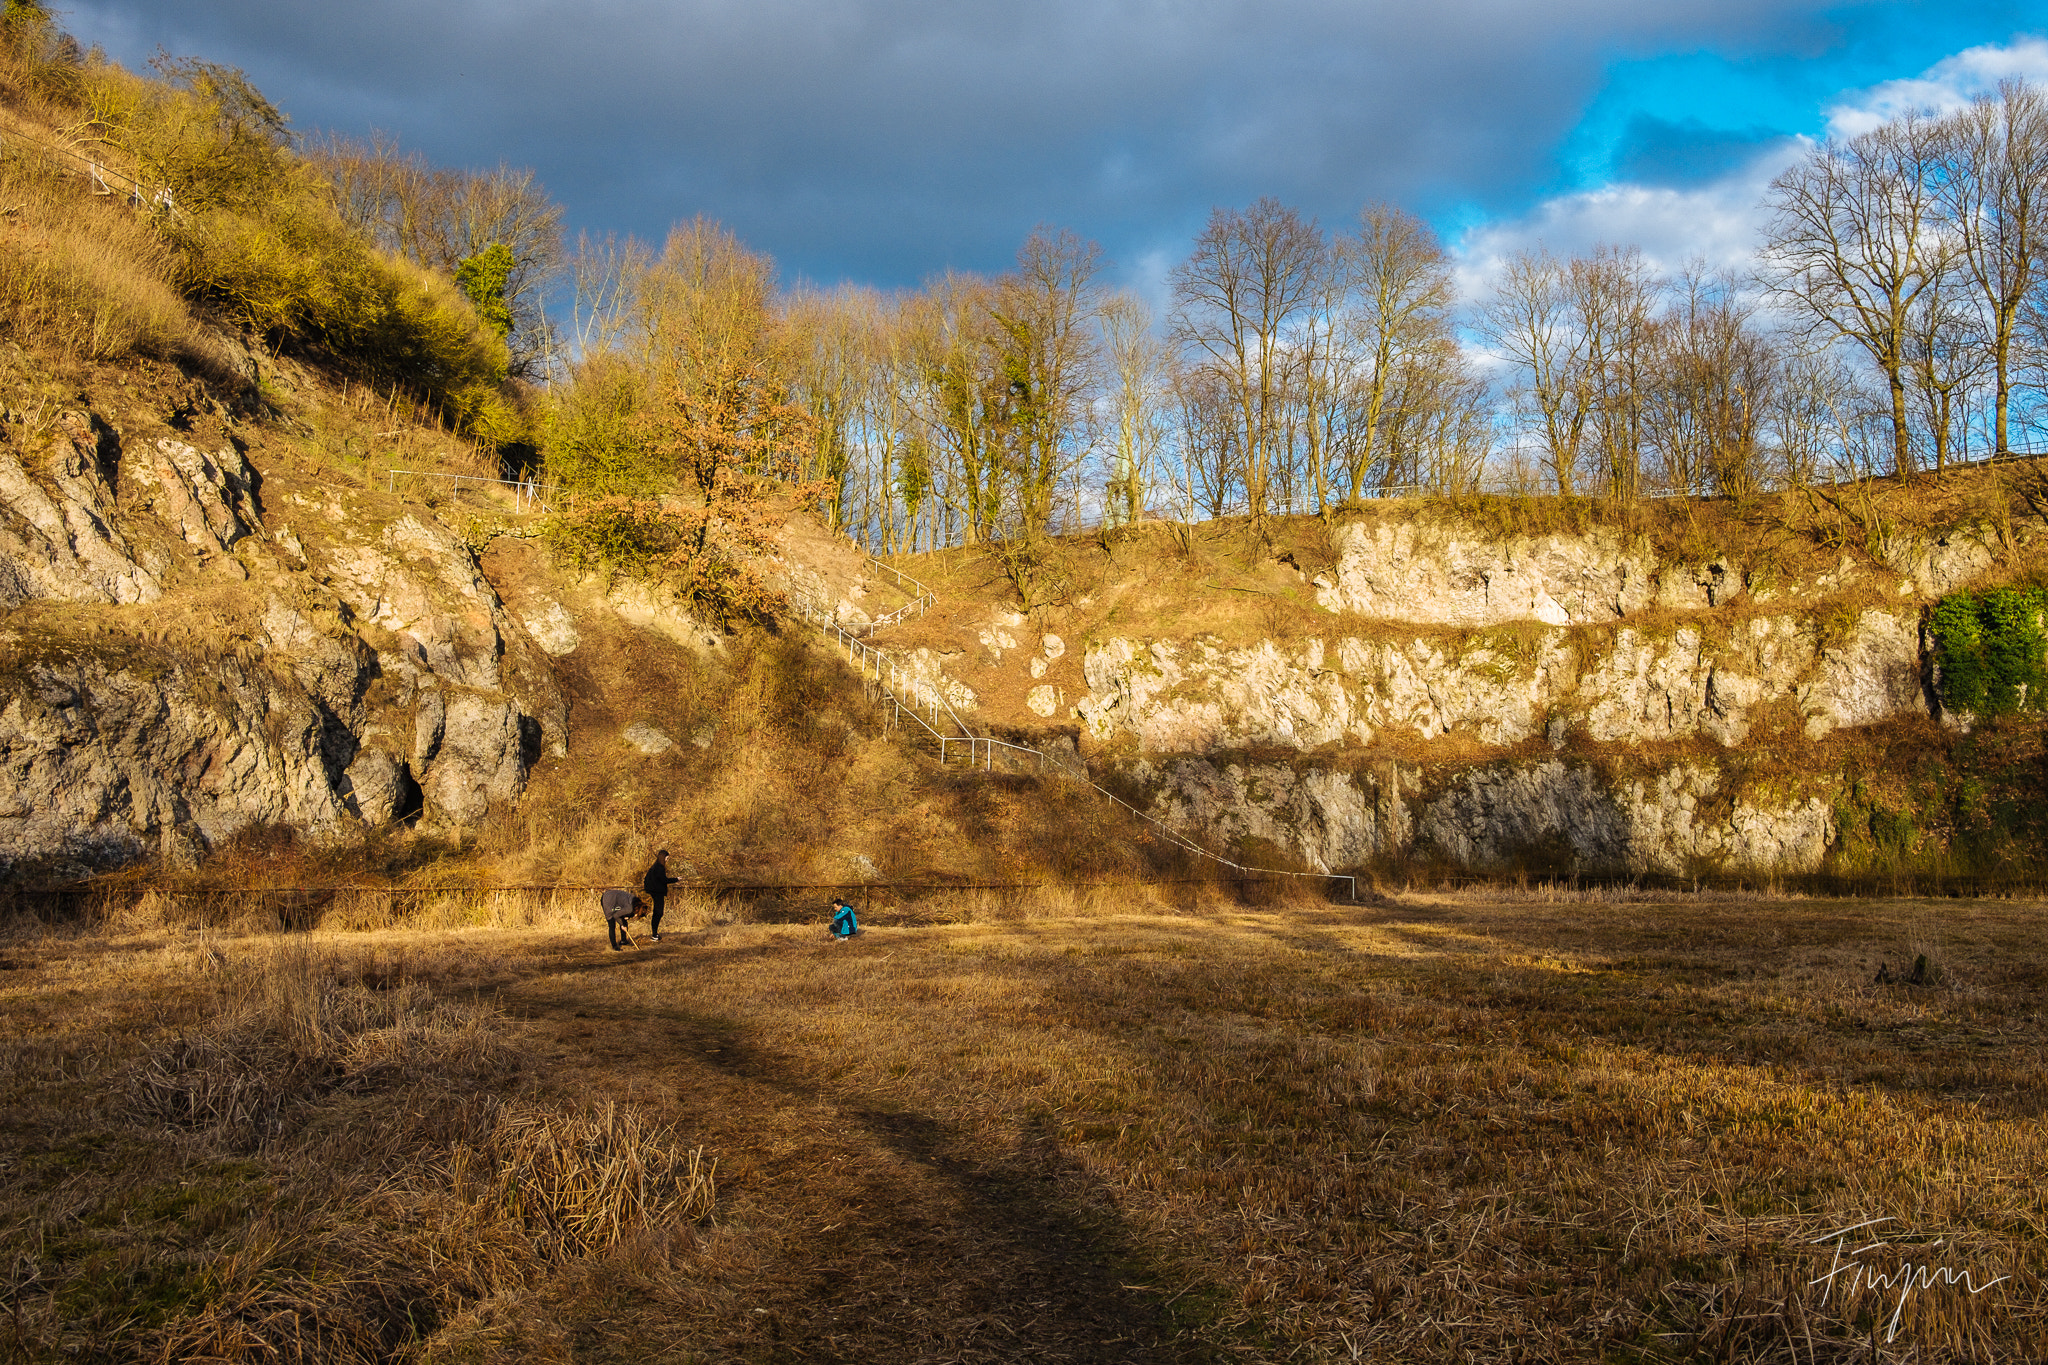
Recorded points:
(619,908)
(844,925)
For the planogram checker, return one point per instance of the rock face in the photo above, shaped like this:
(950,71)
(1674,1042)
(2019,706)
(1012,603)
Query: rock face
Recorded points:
(1444,578)
(1591,705)
(377,678)
(208,498)
(58,540)
(1627,686)
(1631,686)
(101,766)
(1547,815)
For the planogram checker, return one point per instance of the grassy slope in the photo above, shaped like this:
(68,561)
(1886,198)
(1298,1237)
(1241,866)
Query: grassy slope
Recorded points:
(795,775)
(1561,1129)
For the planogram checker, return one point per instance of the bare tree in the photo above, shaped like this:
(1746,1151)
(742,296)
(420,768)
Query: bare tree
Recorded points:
(603,278)
(1252,275)
(1206,432)
(1043,314)
(1530,320)
(1849,244)
(834,340)
(955,401)
(1992,195)
(1437,426)
(1136,401)
(1401,319)
(1808,390)
(1713,388)
(1614,299)
(439,218)
(1946,351)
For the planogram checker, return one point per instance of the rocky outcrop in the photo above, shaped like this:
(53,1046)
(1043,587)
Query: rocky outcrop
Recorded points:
(208,499)
(100,766)
(1626,686)
(381,676)
(1546,815)
(1448,577)
(58,537)
(1510,652)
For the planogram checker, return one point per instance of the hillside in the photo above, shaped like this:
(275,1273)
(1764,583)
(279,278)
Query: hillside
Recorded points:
(266,617)
(215,634)
(271,617)
(224,624)
(1683,688)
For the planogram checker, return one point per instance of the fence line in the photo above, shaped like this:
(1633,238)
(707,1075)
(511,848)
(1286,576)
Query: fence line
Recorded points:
(921,599)
(139,194)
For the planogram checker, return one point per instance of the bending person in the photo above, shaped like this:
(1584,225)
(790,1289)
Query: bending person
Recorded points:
(619,906)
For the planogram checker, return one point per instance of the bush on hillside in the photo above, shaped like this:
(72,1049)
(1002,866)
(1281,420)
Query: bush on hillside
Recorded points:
(89,280)
(706,557)
(1991,651)
(43,60)
(259,243)
(162,193)
(590,438)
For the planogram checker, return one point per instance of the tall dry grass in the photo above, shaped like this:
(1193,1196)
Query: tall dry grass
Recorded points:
(1566,1127)
(305,1152)
(81,275)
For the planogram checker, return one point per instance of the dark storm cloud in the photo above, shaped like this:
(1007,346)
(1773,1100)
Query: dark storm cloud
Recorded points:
(885,139)
(1655,151)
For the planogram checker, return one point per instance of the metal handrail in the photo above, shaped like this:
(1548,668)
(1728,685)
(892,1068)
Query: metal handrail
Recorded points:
(922,597)
(888,676)
(526,492)
(138,193)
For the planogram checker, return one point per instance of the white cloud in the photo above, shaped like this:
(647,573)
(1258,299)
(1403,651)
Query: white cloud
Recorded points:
(1719,221)
(1948,84)
(1715,223)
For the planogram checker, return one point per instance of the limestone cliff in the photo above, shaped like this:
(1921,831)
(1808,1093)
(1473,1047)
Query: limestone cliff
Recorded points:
(202,633)
(1439,691)
(189,651)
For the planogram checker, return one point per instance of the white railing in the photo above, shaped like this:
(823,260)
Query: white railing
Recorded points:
(525,493)
(921,598)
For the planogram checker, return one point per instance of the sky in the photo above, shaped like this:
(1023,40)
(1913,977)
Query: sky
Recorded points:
(886,141)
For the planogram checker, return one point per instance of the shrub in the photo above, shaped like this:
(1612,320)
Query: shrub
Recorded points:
(1990,650)
(89,279)
(705,558)
(250,231)
(590,438)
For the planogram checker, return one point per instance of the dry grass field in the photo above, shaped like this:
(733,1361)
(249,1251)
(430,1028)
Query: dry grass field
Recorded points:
(1529,1127)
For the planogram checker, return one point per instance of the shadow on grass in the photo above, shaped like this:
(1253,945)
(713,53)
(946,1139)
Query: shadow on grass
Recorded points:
(901,1237)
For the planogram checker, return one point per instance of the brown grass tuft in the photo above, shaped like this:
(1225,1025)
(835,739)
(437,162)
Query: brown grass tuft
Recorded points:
(581,1183)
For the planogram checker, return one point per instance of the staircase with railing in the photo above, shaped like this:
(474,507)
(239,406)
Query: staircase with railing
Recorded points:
(920,710)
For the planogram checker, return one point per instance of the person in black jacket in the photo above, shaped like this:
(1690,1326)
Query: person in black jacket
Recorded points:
(656,884)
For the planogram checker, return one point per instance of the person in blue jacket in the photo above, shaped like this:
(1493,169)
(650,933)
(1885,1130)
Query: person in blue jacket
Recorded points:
(844,925)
